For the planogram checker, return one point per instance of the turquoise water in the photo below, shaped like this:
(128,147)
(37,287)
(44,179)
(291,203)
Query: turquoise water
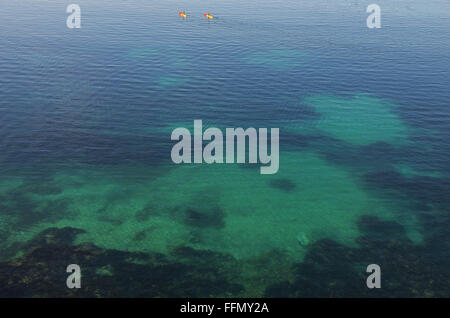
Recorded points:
(86,118)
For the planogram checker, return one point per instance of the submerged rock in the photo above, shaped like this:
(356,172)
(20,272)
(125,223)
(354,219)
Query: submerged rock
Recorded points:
(302,239)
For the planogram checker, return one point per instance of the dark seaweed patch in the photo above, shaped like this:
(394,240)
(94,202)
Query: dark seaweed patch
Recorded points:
(379,230)
(421,188)
(334,270)
(212,218)
(113,221)
(195,237)
(139,236)
(283,184)
(38,273)
(144,234)
(145,213)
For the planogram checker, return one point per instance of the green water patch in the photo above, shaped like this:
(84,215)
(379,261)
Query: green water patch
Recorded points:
(170,81)
(236,211)
(313,197)
(278,59)
(143,52)
(410,172)
(180,62)
(219,207)
(360,120)
(283,184)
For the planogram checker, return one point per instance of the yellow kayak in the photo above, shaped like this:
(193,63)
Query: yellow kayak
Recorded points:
(208,16)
